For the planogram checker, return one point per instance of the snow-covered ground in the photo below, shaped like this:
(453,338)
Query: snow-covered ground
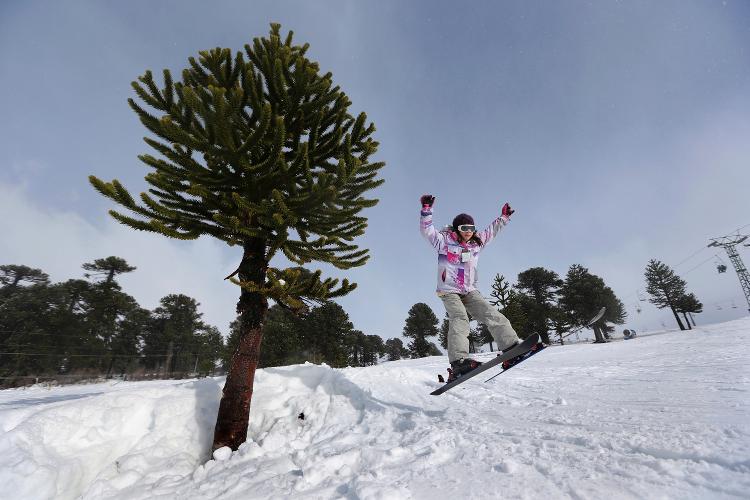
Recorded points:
(660,416)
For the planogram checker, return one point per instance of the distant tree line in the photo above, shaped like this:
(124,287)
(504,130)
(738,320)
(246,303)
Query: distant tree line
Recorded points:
(90,327)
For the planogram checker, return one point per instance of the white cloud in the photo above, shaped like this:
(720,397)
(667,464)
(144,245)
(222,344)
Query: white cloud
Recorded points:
(59,242)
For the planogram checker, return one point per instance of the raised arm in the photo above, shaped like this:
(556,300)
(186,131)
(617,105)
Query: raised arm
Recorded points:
(436,239)
(489,234)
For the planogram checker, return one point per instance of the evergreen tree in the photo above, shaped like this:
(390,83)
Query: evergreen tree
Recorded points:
(665,288)
(394,349)
(501,292)
(443,333)
(689,304)
(259,151)
(582,295)
(106,307)
(12,275)
(282,338)
(374,349)
(126,347)
(541,286)
(108,268)
(561,322)
(364,350)
(171,343)
(420,324)
(208,349)
(325,333)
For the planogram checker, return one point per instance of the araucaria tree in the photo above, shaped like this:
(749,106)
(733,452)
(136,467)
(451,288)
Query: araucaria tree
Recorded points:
(665,288)
(581,296)
(420,324)
(260,151)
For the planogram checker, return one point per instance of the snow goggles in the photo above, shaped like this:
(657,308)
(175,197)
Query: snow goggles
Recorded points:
(467,227)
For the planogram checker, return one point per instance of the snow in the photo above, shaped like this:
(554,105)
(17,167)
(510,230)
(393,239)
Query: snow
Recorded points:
(659,416)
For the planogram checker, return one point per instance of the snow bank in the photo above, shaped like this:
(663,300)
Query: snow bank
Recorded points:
(661,416)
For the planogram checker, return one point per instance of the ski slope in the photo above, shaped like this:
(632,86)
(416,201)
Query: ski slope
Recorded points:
(660,416)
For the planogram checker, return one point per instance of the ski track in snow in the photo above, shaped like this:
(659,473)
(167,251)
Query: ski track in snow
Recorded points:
(660,416)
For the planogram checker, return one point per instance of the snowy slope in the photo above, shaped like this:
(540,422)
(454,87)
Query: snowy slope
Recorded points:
(661,416)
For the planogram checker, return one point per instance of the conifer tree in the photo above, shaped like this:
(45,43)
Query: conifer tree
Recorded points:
(501,292)
(394,349)
(665,287)
(260,151)
(582,294)
(11,275)
(109,267)
(420,324)
(689,304)
(541,286)
(443,333)
(325,331)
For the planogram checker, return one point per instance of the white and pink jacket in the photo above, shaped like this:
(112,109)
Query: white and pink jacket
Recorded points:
(457,262)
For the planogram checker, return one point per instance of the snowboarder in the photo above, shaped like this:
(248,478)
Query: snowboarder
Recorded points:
(458,252)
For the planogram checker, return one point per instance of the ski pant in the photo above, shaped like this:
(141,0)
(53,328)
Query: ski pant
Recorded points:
(457,306)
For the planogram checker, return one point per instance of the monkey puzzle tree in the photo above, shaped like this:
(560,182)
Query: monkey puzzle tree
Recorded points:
(260,151)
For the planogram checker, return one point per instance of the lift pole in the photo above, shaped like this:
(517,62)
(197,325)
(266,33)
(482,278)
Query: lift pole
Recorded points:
(729,243)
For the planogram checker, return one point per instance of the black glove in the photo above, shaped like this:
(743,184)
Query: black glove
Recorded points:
(427,200)
(507,211)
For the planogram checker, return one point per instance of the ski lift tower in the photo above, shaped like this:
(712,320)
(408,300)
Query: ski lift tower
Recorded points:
(729,243)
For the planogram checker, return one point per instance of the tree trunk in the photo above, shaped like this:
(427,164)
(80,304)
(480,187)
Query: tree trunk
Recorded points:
(234,409)
(682,327)
(687,321)
(168,361)
(691,317)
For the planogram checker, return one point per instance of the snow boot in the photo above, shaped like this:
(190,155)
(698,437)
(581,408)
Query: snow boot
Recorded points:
(514,361)
(460,367)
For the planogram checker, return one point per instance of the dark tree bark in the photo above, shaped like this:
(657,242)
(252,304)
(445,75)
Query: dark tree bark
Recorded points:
(234,409)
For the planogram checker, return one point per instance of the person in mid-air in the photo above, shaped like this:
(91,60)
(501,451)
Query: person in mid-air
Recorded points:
(458,251)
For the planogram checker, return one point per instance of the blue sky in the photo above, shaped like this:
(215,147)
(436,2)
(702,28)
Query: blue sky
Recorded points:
(617,130)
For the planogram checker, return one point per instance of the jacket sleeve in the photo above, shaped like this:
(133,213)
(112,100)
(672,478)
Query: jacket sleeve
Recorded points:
(489,234)
(436,239)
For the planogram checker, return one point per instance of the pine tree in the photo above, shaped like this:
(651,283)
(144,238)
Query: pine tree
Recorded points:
(501,292)
(170,345)
(259,151)
(582,294)
(109,267)
(421,323)
(541,286)
(665,287)
(443,333)
(325,332)
(394,349)
(282,338)
(11,275)
(689,304)
(107,307)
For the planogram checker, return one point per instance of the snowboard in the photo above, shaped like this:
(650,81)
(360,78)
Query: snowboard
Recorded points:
(521,348)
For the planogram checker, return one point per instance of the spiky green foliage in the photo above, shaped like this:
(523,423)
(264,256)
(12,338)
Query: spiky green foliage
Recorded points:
(582,294)
(421,323)
(665,287)
(256,146)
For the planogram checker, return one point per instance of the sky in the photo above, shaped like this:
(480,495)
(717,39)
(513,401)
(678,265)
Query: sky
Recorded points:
(618,131)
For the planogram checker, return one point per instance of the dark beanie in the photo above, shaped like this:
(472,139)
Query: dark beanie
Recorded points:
(462,219)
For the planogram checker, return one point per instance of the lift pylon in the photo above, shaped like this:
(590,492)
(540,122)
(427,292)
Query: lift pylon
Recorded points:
(729,243)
